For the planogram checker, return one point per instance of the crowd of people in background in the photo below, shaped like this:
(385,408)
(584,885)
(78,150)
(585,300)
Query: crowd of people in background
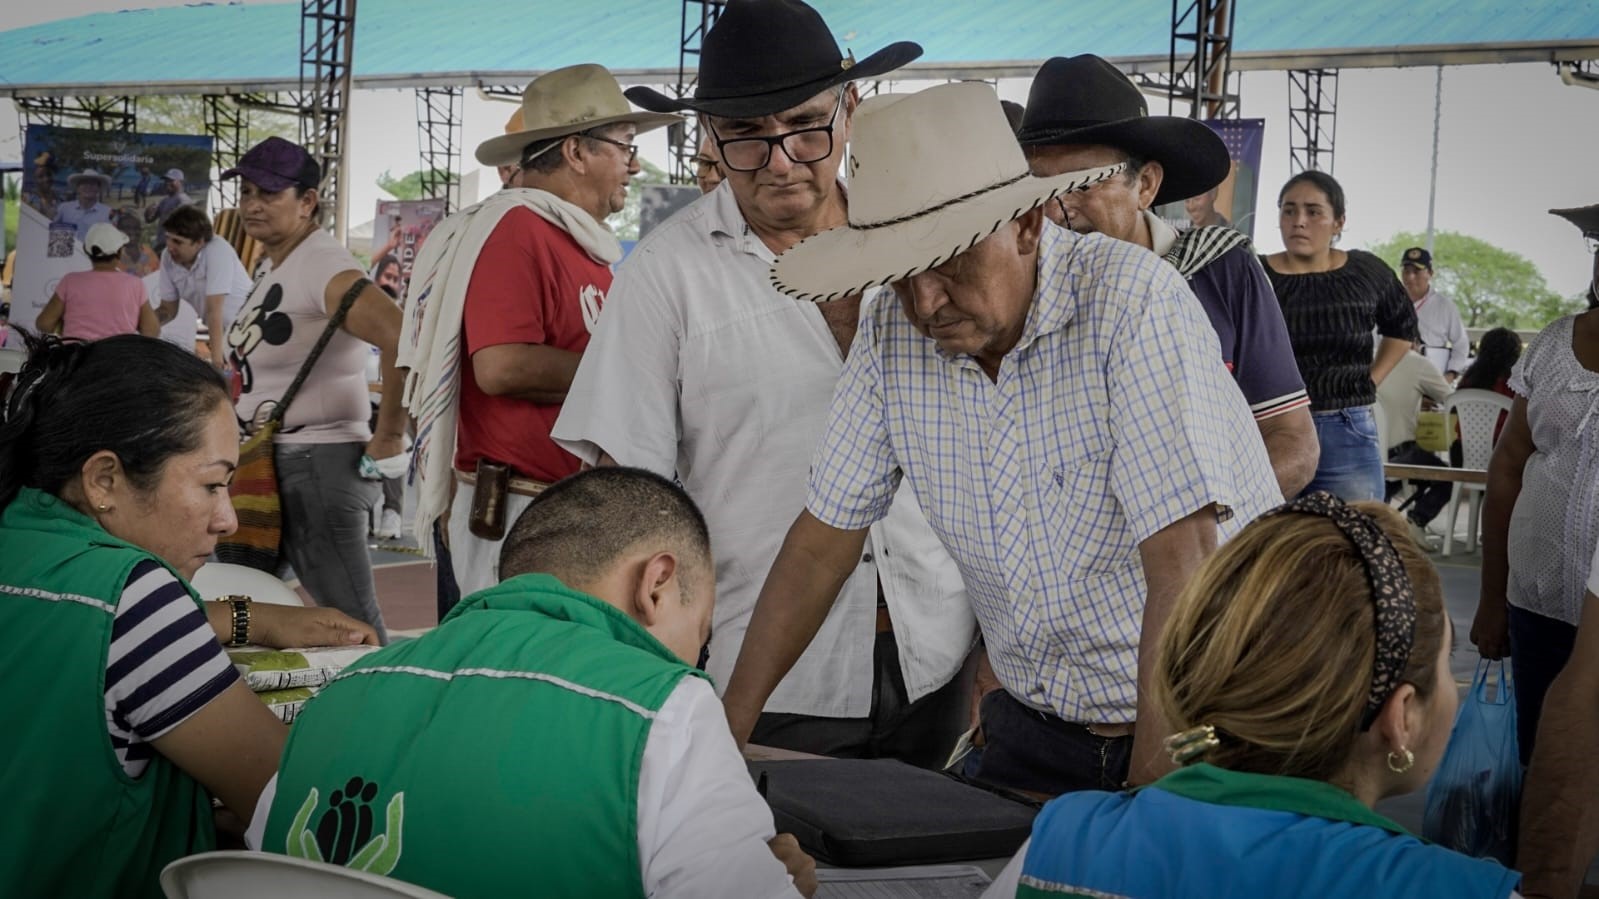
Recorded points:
(1002,474)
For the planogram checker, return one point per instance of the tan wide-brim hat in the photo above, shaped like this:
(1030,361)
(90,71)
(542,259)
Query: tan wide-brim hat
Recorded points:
(1584,217)
(567,101)
(930,175)
(104,179)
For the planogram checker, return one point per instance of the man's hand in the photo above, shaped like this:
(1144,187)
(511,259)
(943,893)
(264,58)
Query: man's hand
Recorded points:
(288,627)
(800,866)
(986,683)
(1490,629)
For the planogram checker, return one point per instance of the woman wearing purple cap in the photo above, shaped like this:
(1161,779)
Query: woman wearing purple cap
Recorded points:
(302,284)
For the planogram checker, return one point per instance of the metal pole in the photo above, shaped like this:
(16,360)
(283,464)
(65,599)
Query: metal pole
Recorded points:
(1432,190)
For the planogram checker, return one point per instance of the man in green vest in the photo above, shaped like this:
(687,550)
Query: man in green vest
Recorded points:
(551,737)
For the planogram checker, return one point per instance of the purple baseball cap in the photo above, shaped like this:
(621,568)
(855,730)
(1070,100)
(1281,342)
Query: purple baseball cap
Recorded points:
(276,164)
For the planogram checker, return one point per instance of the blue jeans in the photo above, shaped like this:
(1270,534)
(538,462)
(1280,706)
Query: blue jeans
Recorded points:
(1539,647)
(1351,463)
(325,507)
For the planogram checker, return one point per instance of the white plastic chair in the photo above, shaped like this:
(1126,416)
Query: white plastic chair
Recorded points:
(264,875)
(1478,413)
(218,579)
(11,359)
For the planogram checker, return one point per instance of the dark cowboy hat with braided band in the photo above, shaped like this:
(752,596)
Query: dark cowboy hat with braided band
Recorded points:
(764,56)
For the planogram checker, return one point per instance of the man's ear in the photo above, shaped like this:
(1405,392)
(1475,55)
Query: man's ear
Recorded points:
(1149,181)
(656,585)
(1029,229)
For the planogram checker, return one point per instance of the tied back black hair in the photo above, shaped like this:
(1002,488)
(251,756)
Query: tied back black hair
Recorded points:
(1323,182)
(1497,353)
(141,398)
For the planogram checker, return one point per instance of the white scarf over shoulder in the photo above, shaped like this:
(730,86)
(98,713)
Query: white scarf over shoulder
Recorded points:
(430,334)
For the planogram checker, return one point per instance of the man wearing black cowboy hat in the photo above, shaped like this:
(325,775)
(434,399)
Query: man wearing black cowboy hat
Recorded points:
(1083,112)
(700,369)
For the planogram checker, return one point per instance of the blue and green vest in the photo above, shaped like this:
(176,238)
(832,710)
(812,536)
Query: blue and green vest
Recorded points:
(77,825)
(1206,831)
(497,755)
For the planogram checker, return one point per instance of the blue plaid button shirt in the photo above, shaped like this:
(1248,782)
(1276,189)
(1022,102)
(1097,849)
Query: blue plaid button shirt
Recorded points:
(1112,418)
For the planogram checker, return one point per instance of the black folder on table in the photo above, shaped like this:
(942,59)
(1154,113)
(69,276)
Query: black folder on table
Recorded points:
(880,812)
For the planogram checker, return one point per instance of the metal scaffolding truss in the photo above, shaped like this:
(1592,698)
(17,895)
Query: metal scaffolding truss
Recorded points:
(327,45)
(97,113)
(698,17)
(1197,73)
(228,123)
(438,118)
(1312,119)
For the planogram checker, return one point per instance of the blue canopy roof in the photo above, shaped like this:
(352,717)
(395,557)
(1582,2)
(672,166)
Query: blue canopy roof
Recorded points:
(405,43)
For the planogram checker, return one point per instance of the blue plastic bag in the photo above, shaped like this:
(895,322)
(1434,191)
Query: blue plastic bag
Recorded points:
(1475,795)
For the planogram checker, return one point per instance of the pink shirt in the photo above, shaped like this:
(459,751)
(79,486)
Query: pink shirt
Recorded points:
(99,304)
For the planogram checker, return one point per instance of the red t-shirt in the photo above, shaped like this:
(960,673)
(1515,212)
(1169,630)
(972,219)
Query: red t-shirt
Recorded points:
(532,284)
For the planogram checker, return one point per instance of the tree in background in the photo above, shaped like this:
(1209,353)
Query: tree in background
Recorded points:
(406,187)
(1490,286)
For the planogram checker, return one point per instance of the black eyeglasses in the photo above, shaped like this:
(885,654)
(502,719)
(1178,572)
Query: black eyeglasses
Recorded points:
(806,145)
(632,149)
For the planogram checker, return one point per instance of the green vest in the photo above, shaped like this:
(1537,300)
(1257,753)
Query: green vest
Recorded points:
(76,825)
(497,755)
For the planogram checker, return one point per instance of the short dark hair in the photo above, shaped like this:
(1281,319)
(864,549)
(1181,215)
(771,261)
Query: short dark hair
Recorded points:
(577,528)
(142,398)
(189,223)
(1323,182)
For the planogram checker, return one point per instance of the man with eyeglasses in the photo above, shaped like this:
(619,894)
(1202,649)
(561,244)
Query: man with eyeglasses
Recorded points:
(500,306)
(702,371)
(707,168)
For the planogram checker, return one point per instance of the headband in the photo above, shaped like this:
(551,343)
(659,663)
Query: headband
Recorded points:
(1393,599)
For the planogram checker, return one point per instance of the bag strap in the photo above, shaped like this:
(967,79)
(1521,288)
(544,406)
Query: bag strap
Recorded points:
(334,321)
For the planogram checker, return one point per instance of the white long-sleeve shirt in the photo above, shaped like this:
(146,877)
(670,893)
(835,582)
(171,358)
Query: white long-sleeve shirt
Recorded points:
(702,827)
(1443,334)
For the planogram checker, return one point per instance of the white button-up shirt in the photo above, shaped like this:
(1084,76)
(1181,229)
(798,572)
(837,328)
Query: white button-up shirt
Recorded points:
(1112,418)
(1443,334)
(216,270)
(700,369)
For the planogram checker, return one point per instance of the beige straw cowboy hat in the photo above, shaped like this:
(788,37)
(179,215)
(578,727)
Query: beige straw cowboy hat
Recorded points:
(568,101)
(930,175)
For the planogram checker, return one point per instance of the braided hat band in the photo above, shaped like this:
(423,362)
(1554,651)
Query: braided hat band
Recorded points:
(1393,599)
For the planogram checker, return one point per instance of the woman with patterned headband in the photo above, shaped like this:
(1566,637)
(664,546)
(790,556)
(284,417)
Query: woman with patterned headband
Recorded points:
(1305,670)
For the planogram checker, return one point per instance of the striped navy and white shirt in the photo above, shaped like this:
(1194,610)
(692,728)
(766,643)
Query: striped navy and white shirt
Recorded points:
(164,665)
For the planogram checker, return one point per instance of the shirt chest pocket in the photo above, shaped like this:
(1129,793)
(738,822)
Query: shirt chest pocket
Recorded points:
(1078,512)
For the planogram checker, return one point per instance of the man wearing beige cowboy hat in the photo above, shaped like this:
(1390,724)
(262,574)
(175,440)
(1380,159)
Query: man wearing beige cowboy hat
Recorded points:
(1083,112)
(502,299)
(88,186)
(1056,402)
(701,370)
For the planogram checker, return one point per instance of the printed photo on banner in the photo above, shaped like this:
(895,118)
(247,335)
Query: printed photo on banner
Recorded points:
(1230,204)
(398,230)
(75,178)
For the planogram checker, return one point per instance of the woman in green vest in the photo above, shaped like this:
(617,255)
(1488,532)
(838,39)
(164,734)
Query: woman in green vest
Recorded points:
(115,458)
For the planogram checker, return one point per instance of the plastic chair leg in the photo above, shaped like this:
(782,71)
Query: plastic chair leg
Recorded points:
(1472,518)
(1454,514)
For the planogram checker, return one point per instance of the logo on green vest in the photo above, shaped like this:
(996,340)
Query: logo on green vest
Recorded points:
(343,834)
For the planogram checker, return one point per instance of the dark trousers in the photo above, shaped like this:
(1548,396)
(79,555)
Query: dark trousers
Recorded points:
(449,593)
(921,733)
(1431,496)
(1026,749)
(1539,648)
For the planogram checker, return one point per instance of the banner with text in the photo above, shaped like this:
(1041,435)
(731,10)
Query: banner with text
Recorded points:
(1231,203)
(75,178)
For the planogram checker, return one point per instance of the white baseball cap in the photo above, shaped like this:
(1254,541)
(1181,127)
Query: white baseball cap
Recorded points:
(104,239)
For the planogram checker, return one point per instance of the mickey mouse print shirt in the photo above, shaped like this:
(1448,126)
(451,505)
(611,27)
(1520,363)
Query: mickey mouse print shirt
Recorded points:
(272,336)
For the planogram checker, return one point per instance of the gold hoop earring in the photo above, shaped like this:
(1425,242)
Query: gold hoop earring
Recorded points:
(1410,761)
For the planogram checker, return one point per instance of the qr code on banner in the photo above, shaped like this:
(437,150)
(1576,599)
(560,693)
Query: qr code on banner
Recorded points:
(62,243)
